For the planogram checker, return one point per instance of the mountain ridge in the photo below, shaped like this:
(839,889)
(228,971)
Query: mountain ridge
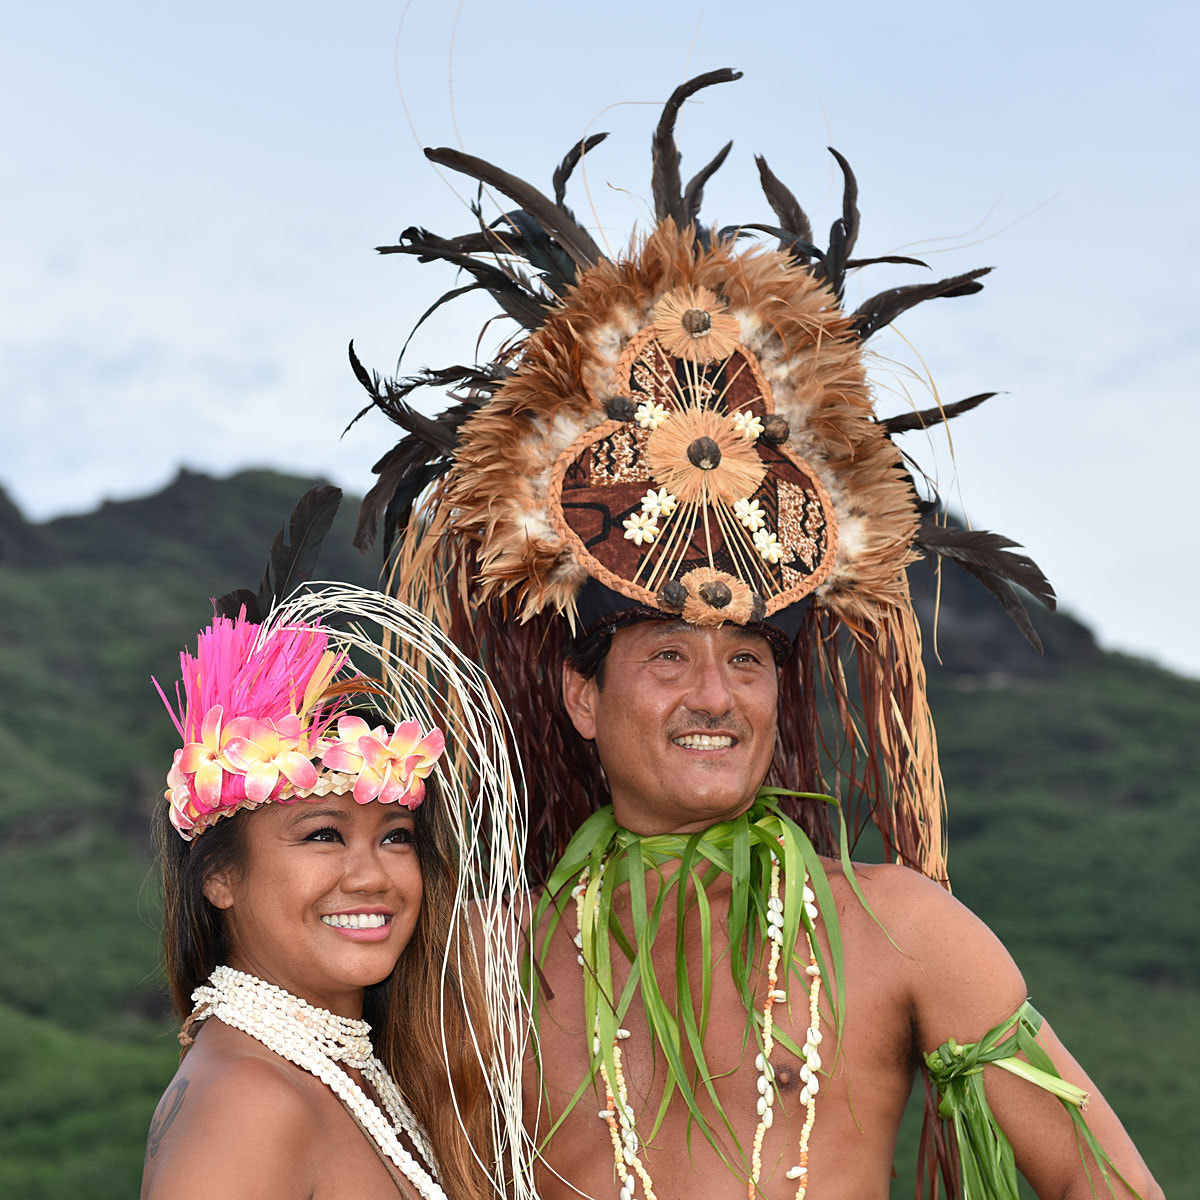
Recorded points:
(1072,784)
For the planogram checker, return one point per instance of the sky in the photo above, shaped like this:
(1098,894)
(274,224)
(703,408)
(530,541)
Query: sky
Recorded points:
(193,194)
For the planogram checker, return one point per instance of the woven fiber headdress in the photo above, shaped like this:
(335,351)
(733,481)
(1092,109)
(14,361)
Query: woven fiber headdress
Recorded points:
(684,432)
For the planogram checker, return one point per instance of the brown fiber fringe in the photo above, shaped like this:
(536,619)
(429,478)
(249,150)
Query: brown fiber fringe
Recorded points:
(937,1153)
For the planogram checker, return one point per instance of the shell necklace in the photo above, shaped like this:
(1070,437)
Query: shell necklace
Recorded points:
(317,1041)
(618,1113)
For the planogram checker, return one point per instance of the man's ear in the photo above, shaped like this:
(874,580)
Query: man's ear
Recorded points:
(579,699)
(217,890)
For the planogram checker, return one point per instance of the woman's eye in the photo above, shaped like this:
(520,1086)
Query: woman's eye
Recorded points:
(328,834)
(402,837)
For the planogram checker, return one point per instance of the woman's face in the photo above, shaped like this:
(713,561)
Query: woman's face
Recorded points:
(326,898)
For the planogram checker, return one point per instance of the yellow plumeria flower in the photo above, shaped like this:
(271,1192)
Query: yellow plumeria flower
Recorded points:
(748,425)
(750,514)
(650,414)
(640,528)
(659,504)
(768,547)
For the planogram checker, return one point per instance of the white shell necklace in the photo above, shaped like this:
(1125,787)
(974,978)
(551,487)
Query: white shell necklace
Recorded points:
(617,1113)
(317,1041)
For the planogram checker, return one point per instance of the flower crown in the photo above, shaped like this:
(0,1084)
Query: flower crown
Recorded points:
(256,706)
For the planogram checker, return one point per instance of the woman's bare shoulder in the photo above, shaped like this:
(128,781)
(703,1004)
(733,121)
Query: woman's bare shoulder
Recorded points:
(233,1122)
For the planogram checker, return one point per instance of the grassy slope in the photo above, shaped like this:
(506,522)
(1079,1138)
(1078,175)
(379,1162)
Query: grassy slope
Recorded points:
(1071,834)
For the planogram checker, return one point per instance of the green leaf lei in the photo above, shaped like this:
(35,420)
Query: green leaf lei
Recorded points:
(988,1169)
(605,856)
(741,849)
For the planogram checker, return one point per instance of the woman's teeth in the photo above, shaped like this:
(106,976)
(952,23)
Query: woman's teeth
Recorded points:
(356,920)
(702,741)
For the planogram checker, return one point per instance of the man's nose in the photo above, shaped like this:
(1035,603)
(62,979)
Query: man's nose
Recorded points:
(709,691)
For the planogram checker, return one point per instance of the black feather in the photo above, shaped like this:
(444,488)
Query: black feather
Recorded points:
(928,417)
(693,194)
(232,603)
(800,250)
(882,309)
(850,216)
(484,241)
(524,306)
(426,450)
(832,268)
(555,221)
(665,183)
(987,556)
(567,167)
(410,465)
(293,555)
(444,298)
(557,269)
(852,264)
(390,395)
(784,205)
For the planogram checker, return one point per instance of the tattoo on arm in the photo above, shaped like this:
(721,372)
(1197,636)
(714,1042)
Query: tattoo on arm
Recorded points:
(164,1115)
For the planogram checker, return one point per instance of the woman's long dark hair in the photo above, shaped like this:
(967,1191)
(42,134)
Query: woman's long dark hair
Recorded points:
(422,1016)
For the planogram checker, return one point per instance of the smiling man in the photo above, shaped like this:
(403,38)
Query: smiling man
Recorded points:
(673,526)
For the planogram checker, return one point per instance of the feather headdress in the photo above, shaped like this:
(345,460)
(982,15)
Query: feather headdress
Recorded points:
(684,431)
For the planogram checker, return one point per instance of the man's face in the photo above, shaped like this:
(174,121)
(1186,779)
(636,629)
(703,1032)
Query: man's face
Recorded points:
(684,724)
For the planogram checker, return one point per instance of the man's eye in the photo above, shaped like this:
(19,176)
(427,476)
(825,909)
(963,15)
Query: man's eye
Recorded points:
(668,656)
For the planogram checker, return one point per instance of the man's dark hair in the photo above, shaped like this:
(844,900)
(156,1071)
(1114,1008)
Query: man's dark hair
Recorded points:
(586,656)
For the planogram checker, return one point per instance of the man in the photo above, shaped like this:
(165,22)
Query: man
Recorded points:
(684,719)
(672,525)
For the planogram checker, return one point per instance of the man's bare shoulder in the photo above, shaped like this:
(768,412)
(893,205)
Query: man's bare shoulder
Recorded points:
(961,979)
(206,1137)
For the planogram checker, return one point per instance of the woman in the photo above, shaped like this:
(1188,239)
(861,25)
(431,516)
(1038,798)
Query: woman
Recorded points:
(312,894)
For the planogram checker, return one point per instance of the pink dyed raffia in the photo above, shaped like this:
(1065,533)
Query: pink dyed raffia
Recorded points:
(253,728)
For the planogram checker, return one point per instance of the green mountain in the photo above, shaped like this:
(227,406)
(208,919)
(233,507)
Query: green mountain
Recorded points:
(1072,780)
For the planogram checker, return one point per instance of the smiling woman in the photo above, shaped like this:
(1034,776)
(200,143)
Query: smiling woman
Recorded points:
(315,943)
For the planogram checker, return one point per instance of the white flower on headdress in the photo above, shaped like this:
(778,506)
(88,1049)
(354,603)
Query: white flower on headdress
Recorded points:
(767,545)
(659,504)
(640,528)
(750,514)
(748,425)
(650,414)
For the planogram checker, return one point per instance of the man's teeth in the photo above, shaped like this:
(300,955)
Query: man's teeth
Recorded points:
(703,741)
(356,920)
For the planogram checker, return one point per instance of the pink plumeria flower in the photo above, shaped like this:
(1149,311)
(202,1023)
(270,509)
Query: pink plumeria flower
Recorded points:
(183,810)
(343,755)
(389,771)
(265,750)
(202,760)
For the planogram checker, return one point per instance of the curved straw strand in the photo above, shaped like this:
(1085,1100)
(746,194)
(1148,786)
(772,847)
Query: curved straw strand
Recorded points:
(428,678)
